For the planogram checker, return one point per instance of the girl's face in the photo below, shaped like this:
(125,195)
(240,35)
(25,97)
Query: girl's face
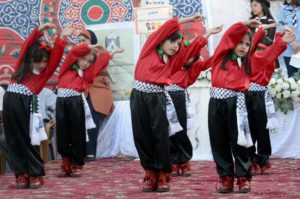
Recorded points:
(40,66)
(289,1)
(86,61)
(243,47)
(83,39)
(171,48)
(257,9)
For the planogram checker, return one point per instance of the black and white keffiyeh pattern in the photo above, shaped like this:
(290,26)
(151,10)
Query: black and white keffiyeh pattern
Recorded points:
(147,87)
(174,125)
(19,88)
(244,136)
(174,88)
(269,104)
(65,92)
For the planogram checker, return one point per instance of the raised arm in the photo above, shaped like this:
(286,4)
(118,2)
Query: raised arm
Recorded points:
(260,33)
(273,52)
(101,63)
(186,52)
(160,35)
(196,69)
(75,53)
(32,38)
(56,54)
(232,37)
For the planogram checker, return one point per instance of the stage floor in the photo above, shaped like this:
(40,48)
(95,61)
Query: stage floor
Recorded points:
(122,178)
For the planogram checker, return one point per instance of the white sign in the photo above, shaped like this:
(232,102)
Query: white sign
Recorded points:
(154,3)
(149,19)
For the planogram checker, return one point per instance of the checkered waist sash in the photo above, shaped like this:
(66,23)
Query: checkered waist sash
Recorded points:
(19,88)
(22,89)
(174,88)
(148,87)
(269,104)
(244,137)
(65,92)
(170,108)
(256,87)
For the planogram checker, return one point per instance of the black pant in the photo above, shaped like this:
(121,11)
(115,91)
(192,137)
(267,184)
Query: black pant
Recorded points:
(181,149)
(290,69)
(20,154)
(150,130)
(91,145)
(70,128)
(257,116)
(223,132)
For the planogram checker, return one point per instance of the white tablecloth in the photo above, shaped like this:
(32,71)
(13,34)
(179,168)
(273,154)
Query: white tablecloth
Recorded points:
(115,136)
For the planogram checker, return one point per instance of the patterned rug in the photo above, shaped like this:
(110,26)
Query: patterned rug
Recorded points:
(122,178)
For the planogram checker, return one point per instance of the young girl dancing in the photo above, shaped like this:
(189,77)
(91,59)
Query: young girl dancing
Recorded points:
(181,150)
(76,74)
(154,67)
(259,103)
(227,116)
(36,64)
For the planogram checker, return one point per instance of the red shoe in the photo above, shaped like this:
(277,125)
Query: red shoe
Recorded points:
(244,184)
(186,169)
(22,181)
(35,182)
(254,169)
(265,169)
(150,181)
(225,184)
(65,168)
(164,182)
(175,170)
(41,179)
(76,171)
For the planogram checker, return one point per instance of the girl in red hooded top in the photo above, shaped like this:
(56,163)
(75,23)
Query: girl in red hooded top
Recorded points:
(36,64)
(181,150)
(76,74)
(227,115)
(157,62)
(259,103)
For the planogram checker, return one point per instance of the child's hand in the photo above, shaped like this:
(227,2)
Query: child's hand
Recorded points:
(296,47)
(52,122)
(97,48)
(288,37)
(252,23)
(68,31)
(213,31)
(46,26)
(198,17)
(119,50)
(268,26)
(287,29)
(216,29)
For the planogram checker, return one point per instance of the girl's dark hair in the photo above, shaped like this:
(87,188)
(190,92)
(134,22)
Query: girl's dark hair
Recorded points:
(245,59)
(176,35)
(265,8)
(187,65)
(33,54)
(294,2)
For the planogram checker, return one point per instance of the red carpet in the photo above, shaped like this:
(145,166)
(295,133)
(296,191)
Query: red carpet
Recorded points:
(122,178)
